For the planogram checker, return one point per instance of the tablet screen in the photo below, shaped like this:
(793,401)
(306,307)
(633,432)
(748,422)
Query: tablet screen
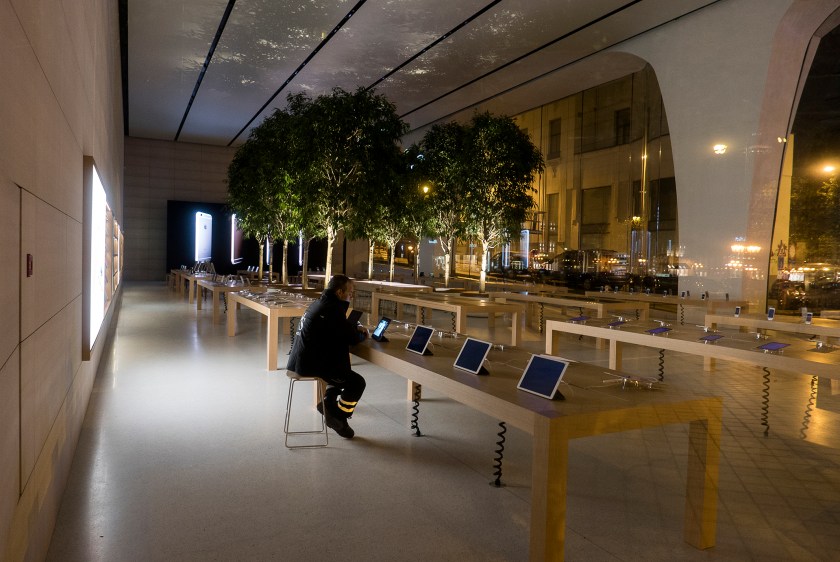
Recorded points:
(659,330)
(420,339)
(472,355)
(773,346)
(616,324)
(381,327)
(579,319)
(354,316)
(542,376)
(711,337)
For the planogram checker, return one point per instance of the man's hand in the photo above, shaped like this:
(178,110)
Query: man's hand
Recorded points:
(363,332)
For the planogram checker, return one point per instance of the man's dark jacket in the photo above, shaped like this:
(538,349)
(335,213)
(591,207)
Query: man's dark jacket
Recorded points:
(323,340)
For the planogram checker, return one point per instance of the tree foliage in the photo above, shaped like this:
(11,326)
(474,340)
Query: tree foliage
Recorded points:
(815,217)
(500,165)
(481,177)
(254,192)
(348,147)
(440,161)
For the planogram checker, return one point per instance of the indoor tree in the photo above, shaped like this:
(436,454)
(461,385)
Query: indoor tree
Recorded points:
(500,164)
(418,209)
(275,136)
(252,194)
(439,161)
(347,144)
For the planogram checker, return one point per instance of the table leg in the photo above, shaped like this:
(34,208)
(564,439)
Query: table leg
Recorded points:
(552,342)
(217,297)
(615,354)
(702,483)
(515,333)
(548,491)
(192,291)
(460,320)
(412,390)
(273,333)
(199,297)
(231,321)
(601,313)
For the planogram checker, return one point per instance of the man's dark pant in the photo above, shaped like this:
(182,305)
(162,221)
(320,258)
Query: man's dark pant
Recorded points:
(348,388)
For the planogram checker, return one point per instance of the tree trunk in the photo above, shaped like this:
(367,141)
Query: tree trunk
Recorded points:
(371,244)
(305,276)
(391,247)
(284,278)
(262,254)
(417,263)
(447,260)
(270,259)
(446,257)
(331,234)
(482,279)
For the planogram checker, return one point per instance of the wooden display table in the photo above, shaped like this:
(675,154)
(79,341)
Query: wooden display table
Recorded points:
(820,327)
(459,306)
(600,308)
(364,288)
(191,279)
(799,357)
(274,312)
(680,304)
(553,424)
(217,289)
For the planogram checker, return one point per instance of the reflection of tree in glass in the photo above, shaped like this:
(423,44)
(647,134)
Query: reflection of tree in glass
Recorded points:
(815,218)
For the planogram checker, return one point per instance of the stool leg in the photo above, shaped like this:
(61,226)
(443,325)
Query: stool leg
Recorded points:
(323,431)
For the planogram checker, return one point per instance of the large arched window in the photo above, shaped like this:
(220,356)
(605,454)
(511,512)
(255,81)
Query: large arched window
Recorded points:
(805,271)
(607,202)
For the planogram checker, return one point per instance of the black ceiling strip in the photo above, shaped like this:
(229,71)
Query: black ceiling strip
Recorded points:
(524,56)
(438,40)
(320,46)
(207,60)
(123,15)
(544,74)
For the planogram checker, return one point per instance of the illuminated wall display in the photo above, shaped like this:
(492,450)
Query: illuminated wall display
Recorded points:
(203,236)
(236,240)
(97,257)
(102,259)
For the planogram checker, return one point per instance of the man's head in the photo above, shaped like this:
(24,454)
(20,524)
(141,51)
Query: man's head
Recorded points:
(342,286)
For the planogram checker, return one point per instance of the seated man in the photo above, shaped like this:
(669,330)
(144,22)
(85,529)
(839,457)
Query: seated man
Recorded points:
(322,349)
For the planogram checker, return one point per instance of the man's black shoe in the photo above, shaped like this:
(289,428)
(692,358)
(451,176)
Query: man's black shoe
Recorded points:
(340,426)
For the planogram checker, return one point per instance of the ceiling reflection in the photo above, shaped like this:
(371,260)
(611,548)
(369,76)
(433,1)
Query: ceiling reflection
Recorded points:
(432,58)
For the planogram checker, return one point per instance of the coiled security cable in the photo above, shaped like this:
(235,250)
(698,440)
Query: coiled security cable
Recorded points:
(500,453)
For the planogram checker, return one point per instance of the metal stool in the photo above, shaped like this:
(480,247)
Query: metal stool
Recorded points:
(293,378)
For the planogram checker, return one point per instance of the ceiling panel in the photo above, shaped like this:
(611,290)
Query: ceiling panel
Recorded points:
(510,30)
(495,48)
(376,40)
(576,47)
(262,45)
(168,41)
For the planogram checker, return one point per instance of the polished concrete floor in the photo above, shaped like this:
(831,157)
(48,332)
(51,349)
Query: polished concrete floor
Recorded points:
(181,457)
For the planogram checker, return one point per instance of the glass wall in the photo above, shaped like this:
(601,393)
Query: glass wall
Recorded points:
(805,259)
(607,207)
